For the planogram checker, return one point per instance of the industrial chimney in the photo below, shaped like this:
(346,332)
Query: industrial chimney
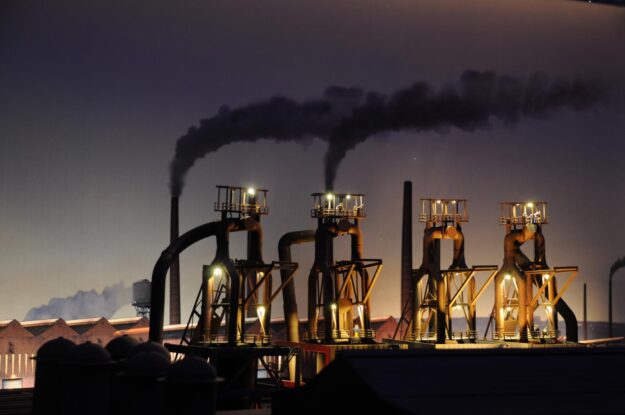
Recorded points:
(406,259)
(174,271)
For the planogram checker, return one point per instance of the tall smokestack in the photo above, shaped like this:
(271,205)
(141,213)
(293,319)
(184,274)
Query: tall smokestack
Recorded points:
(406,258)
(174,271)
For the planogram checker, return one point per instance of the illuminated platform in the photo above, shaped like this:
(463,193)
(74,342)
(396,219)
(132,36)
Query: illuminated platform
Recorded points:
(450,345)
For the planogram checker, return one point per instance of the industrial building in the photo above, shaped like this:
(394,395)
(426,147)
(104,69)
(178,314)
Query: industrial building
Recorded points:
(19,341)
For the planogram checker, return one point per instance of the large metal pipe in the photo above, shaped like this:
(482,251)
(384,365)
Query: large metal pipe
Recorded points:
(255,242)
(357,245)
(255,257)
(236,321)
(218,229)
(540,256)
(458,261)
(570,319)
(430,266)
(562,308)
(512,243)
(288,292)
(324,259)
(620,263)
(406,259)
(431,251)
(174,271)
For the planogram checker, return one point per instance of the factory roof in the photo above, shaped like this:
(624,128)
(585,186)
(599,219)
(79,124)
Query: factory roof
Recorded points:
(101,330)
(14,329)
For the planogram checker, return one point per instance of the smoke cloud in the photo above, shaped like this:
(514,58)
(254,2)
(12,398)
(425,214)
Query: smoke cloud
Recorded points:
(469,105)
(620,263)
(346,117)
(84,304)
(278,118)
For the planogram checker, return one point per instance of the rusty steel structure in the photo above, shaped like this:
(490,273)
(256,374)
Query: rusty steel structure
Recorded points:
(516,302)
(439,294)
(230,289)
(439,305)
(340,291)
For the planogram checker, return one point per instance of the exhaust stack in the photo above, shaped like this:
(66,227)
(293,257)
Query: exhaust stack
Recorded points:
(406,259)
(174,270)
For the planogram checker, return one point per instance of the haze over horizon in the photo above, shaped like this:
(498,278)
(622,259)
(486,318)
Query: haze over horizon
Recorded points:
(96,96)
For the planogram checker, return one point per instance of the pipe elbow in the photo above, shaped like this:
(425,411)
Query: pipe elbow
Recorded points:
(251,225)
(430,235)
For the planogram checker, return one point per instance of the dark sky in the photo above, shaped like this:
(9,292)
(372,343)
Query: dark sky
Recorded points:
(95,94)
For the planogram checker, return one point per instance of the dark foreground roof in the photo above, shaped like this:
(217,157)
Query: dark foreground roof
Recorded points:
(554,381)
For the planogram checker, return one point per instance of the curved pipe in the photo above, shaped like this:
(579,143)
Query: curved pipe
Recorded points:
(431,252)
(512,253)
(431,266)
(458,260)
(218,229)
(288,292)
(431,258)
(512,246)
(570,320)
(562,308)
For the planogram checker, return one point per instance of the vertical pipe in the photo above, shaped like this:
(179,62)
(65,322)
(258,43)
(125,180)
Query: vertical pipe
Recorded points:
(313,315)
(472,309)
(522,313)
(357,255)
(330,305)
(610,332)
(441,310)
(174,270)
(235,317)
(416,309)
(499,293)
(288,292)
(553,317)
(254,257)
(585,314)
(530,310)
(406,259)
(207,307)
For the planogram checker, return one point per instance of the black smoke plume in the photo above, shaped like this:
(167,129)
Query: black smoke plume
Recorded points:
(620,263)
(84,304)
(278,118)
(470,104)
(348,116)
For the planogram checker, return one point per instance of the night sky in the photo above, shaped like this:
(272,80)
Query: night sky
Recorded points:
(94,96)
